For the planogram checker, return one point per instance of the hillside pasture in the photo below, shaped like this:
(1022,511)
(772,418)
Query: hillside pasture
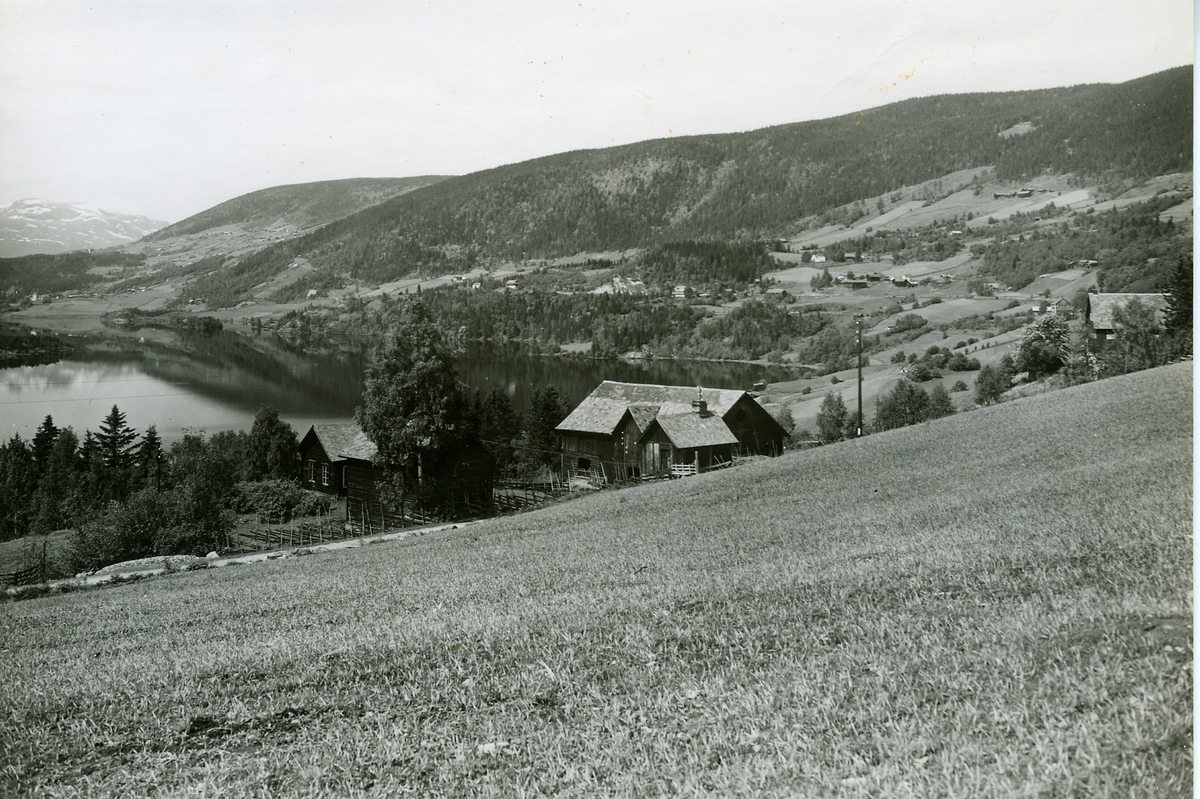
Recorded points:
(994,604)
(943,312)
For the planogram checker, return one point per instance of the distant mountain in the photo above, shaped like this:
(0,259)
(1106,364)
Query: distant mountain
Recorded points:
(30,227)
(298,206)
(760,183)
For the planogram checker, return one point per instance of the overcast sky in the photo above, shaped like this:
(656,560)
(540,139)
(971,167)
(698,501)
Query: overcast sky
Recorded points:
(168,108)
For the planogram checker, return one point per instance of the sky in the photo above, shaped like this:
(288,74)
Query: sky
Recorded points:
(167,108)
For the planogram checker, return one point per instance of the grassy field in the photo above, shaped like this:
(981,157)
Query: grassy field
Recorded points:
(994,604)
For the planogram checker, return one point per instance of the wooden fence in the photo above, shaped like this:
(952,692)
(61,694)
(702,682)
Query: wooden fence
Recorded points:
(32,575)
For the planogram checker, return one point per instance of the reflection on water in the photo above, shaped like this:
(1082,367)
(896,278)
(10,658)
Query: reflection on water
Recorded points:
(219,383)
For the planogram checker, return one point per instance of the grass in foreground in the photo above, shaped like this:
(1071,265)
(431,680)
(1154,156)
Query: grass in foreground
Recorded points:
(995,604)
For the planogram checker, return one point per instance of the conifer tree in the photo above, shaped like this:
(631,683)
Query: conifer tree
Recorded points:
(18,481)
(43,442)
(151,465)
(115,440)
(54,499)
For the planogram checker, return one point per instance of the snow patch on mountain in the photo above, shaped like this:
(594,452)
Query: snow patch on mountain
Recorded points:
(34,226)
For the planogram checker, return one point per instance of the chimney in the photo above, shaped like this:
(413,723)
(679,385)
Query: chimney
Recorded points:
(699,406)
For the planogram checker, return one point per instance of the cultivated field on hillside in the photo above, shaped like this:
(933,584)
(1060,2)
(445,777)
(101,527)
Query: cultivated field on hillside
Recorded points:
(993,604)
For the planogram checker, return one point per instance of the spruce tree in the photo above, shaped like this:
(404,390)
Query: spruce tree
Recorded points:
(115,440)
(18,481)
(1179,305)
(151,462)
(43,442)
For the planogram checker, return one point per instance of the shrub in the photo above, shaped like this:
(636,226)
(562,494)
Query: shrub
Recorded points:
(910,321)
(923,371)
(277,501)
(959,386)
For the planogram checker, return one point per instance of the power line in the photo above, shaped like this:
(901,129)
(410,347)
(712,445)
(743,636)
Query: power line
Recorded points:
(98,382)
(94,399)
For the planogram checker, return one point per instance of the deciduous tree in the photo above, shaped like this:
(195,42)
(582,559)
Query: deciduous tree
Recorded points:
(832,418)
(1045,346)
(905,404)
(990,385)
(413,407)
(272,447)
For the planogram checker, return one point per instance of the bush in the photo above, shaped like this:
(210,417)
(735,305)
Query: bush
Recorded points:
(910,321)
(959,386)
(922,371)
(278,501)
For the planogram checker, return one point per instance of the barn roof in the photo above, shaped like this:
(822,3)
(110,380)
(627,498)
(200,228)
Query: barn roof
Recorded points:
(688,430)
(601,411)
(342,441)
(1101,307)
(643,415)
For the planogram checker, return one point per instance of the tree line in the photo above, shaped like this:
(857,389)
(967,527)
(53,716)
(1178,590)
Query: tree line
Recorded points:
(126,495)
(613,323)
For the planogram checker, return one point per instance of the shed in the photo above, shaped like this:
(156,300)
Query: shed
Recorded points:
(326,450)
(340,460)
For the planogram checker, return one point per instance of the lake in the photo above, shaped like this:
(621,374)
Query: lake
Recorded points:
(218,383)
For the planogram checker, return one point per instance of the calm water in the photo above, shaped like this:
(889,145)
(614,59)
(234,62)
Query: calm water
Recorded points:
(219,383)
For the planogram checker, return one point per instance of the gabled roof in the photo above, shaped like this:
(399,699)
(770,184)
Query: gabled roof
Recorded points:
(601,411)
(1101,306)
(688,430)
(643,415)
(343,441)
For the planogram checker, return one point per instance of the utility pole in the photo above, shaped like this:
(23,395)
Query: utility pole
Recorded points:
(858,328)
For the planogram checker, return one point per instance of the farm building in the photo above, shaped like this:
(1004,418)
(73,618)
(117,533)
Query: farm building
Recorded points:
(1052,305)
(632,430)
(1098,315)
(339,460)
(326,451)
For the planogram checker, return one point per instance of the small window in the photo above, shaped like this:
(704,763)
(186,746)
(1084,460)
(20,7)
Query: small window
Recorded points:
(1112,336)
(324,474)
(312,471)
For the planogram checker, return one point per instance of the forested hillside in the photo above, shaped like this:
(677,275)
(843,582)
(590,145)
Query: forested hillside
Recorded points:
(755,183)
(301,205)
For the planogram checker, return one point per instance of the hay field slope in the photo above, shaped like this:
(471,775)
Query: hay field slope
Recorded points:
(993,604)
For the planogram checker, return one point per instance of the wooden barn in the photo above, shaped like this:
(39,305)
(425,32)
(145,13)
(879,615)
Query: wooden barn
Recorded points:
(1099,322)
(613,431)
(339,460)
